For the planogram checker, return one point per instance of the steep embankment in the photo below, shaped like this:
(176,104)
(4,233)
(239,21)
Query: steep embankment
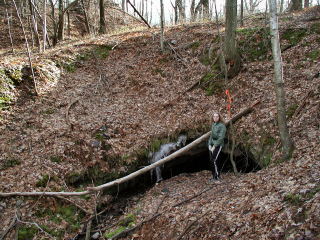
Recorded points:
(80,121)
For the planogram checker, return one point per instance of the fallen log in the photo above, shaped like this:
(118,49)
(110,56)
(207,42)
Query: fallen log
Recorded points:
(134,174)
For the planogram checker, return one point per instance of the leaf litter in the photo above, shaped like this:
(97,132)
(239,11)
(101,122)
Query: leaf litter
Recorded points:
(280,201)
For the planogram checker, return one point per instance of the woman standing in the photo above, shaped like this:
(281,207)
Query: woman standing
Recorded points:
(215,144)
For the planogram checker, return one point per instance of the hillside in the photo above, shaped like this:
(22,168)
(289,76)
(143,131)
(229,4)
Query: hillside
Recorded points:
(82,123)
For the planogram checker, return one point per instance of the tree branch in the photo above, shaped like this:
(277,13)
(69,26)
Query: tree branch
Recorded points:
(134,174)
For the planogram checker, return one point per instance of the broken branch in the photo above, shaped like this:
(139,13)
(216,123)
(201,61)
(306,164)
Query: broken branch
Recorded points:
(67,112)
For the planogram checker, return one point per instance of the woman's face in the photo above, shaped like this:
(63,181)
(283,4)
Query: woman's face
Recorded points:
(216,118)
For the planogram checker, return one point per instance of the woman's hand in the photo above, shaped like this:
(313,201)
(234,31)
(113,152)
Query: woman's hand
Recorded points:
(212,149)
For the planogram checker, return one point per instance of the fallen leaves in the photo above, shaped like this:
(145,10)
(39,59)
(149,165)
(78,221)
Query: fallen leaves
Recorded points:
(143,81)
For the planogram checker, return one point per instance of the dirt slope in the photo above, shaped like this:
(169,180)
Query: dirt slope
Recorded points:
(56,135)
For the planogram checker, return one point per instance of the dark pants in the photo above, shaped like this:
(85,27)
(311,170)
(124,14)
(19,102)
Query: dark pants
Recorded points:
(214,164)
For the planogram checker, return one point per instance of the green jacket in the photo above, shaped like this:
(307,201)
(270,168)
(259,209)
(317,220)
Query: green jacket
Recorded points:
(218,131)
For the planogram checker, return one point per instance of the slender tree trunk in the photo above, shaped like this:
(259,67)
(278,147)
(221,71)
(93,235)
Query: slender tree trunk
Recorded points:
(241,14)
(54,23)
(192,11)
(175,7)
(206,9)
(279,83)
(44,25)
(60,21)
(86,20)
(27,46)
(123,6)
(31,31)
(34,26)
(142,8)
(9,28)
(281,6)
(102,19)
(265,34)
(151,12)
(162,26)
(306,3)
(181,9)
(41,20)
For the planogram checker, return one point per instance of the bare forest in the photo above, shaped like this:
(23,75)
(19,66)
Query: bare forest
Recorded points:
(94,92)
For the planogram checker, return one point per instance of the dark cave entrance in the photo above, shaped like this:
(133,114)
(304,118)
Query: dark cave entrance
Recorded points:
(200,162)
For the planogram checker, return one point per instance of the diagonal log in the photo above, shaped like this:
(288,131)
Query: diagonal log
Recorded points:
(134,174)
(138,13)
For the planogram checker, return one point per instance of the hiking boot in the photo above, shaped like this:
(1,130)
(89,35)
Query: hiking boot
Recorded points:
(214,179)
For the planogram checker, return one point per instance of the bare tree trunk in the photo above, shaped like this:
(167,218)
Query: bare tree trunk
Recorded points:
(44,25)
(181,8)
(235,170)
(265,34)
(142,8)
(203,5)
(30,29)
(162,26)
(279,83)
(296,5)
(175,7)
(206,9)
(60,21)
(150,21)
(306,3)
(54,23)
(86,20)
(123,5)
(34,26)
(241,14)
(232,57)
(102,19)
(281,6)
(192,11)
(9,28)
(41,20)
(27,46)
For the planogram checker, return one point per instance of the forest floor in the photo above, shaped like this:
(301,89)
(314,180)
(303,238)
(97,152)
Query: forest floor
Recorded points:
(49,139)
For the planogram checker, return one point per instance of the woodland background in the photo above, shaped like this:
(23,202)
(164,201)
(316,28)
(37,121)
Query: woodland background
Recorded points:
(101,95)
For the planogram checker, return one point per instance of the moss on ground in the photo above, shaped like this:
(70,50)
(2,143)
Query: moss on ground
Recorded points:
(60,212)
(291,110)
(314,55)
(11,162)
(102,51)
(7,86)
(315,28)
(254,43)
(294,36)
(43,182)
(27,232)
